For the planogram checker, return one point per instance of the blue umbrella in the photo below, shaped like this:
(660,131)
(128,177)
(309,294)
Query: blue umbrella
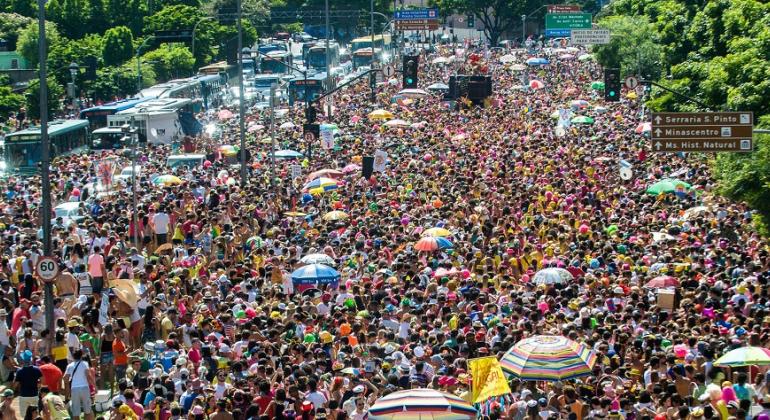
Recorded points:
(287,154)
(315,274)
(537,61)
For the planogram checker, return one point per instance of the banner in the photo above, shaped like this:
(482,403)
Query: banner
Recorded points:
(327,138)
(380,160)
(105,171)
(564,117)
(488,379)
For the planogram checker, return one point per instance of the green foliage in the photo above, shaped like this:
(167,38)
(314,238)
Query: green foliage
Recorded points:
(9,101)
(119,82)
(291,27)
(118,46)
(23,7)
(130,13)
(636,52)
(497,16)
(170,61)
(11,24)
(71,16)
(69,51)
(55,94)
(27,45)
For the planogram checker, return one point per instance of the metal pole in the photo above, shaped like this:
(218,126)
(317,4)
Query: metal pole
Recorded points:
(241,104)
(328,64)
(138,73)
(45,161)
(373,83)
(134,218)
(523,29)
(272,132)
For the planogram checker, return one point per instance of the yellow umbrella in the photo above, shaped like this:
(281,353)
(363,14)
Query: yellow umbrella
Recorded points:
(631,95)
(295,214)
(125,290)
(335,215)
(438,232)
(380,114)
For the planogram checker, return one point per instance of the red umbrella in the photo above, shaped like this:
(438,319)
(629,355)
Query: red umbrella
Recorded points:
(644,127)
(536,84)
(662,282)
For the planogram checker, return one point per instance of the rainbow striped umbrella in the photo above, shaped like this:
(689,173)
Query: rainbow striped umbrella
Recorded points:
(421,404)
(320,185)
(745,356)
(548,358)
(437,232)
(431,243)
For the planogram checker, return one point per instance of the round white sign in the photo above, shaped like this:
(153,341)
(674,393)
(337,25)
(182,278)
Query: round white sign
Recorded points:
(388,71)
(632,82)
(47,268)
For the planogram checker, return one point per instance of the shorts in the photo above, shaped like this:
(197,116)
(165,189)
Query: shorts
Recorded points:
(97,283)
(162,238)
(106,357)
(25,403)
(80,401)
(146,239)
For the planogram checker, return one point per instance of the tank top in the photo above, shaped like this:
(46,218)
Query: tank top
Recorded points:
(59,352)
(106,346)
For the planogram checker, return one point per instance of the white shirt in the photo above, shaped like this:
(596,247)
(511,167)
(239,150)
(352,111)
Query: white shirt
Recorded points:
(79,376)
(317,398)
(161,221)
(73,342)
(5,339)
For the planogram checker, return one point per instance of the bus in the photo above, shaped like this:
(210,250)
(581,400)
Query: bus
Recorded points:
(307,46)
(276,62)
(363,57)
(313,87)
(22,150)
(267,46)
(97,115)
(380,41)
(228,72)
(160,121)
(316,56)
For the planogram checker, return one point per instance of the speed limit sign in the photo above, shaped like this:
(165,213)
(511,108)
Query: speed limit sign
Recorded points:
(47,268)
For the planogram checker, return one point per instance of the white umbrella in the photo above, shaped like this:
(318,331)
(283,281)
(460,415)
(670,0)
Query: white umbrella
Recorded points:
(552,275)
(518,67)
(438,86)
(507,58)
(413,93)
(287,125)
(396,123)
(317,259)
(440,60)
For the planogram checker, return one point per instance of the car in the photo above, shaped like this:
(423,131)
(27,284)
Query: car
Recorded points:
(302,37)
(125,174)
(70,212)
(283,36)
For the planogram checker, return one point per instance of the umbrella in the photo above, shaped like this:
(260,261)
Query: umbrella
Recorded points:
(518,67)
(421,404)
(631,95)
(582,120)
(508,58)
(167,180)
(350,168)
(314,274)
(695,211)
(644,127)
(537,61)
(430,243)
(396,123)
(320,185)
(413,93)
(600,110)
(381,114)
(420,124)
(443,272)
(536,84)
(597,85)
(287,154)
(662,282)
(287,125)
(585,57)
(295,214)
(255,127)
(351,371)
(255,242)
(317,259)
(439,60)
(329,173)
(579,104)
(668,185)
(566,57)
(437,232)
(228,150)
(552,275)
(225,114)
(548,358)
(125,290)
(745,356)
(438,86)
(662,236)
(335,215)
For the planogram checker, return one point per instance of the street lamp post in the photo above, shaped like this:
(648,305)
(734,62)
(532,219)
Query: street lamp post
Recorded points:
(328,63)
(523,28)
(129,132)
(45,161)
(195,27)
(241,104)
(139,63)
(74,68)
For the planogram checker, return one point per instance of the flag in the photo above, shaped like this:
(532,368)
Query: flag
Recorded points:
(488,379)
(105,170)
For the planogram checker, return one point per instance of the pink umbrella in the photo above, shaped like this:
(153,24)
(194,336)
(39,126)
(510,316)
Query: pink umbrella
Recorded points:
(351,168)
(661,282)
(355,119)
(570,91)
(225,114)
(328,173)
(536,84)
(443,272)
(644,127)
(254,128)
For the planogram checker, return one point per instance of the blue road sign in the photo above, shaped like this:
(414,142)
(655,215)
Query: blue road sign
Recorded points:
(556,33)
(416,14)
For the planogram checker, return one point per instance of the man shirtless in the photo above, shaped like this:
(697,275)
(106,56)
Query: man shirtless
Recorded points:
(66,286)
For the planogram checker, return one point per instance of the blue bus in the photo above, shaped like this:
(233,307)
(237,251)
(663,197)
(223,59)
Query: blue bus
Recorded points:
(97,115)
(314,87)
(22,150)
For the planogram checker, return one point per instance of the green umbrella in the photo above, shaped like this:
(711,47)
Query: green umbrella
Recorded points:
(667,185)
(585,57)
(582,120)
(597,85)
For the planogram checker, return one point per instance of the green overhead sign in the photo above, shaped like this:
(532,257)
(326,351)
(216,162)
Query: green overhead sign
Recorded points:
(568,21)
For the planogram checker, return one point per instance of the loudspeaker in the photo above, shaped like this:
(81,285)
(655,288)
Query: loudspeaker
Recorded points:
(477,90)
(368,167)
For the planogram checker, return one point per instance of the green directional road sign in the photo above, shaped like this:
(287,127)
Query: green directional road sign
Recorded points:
(568,21)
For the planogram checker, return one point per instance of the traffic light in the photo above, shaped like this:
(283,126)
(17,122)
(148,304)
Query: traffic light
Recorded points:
(411,63)
(91,64)
(310,115)
(612,85)
(471,21)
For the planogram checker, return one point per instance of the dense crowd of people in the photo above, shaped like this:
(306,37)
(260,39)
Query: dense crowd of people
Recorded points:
(191,312)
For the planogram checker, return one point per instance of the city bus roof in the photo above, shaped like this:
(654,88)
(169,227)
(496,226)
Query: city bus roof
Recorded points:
(54,128)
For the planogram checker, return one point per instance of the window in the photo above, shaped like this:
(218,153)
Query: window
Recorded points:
(14,63)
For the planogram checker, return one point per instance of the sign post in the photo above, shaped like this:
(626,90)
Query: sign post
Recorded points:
(47,269)
(416,19)
(702,131)
(562,24)
(590,36)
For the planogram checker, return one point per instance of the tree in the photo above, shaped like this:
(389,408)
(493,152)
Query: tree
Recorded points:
(69,51)
(636,52)
(498,16)
(186,17)
(97,16)
(119,82)
(71,17)
(9,101)
(170,61)
(23,7)
(55,93)
(11,24)
(118,46)
(130,13)
(27,45)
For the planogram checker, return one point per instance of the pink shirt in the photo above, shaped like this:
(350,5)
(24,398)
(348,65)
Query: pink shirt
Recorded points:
(95,262)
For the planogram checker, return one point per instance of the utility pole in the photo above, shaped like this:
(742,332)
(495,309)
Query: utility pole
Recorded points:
(135,217)
(272,133)
(241,104)
(373,82)
(328,64)
(45,162)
